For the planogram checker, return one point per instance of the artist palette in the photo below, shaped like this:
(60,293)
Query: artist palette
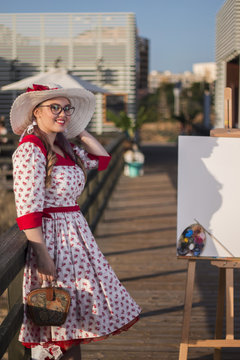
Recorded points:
(191,241)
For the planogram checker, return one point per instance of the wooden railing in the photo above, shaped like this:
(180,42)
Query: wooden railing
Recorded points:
(13,247)
(6,151)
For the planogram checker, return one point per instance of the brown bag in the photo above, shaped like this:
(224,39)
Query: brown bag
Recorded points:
(48,306)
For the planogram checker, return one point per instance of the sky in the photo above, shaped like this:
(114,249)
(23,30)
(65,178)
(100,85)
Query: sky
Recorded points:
(181,32)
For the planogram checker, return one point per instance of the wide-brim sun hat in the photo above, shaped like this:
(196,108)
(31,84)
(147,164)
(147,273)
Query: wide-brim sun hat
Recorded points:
(21,113)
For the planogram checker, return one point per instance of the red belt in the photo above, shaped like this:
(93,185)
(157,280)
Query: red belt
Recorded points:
(59,209)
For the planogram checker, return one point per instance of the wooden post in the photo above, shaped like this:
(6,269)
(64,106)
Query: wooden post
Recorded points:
(16,350)
(228,108)
(227,131)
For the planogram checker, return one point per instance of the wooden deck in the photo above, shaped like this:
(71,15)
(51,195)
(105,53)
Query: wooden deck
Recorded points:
(138,237)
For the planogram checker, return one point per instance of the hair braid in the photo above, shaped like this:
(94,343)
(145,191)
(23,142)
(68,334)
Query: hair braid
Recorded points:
(51,158)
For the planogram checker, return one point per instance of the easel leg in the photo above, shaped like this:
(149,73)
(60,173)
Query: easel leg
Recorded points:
(220,311)
(229,304)
(187,310)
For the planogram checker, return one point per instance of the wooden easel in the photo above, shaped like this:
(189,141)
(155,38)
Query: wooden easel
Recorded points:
(226,276)
(226,285)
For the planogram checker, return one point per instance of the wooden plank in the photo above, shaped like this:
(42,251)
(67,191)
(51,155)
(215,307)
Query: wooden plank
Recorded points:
(220,310)
(229,304)
(5,161)
(215,343)
(233,133)
(188,300)
(228,108)
(16,350)
(229,263)
(187,309)
(228,131)
(13,245)
(9,326)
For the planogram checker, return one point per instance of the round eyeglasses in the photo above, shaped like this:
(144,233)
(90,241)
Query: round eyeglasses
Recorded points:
(56,109)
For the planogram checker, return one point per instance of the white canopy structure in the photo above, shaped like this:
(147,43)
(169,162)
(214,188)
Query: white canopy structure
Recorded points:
(58,76)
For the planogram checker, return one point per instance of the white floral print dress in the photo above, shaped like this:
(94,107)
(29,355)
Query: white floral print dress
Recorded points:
(100,305)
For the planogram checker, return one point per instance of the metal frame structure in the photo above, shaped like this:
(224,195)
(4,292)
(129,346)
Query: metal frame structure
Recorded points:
(99,47)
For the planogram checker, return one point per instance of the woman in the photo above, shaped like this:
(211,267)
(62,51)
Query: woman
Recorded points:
(49,175)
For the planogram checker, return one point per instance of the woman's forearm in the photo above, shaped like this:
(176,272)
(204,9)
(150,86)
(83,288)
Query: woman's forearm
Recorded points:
(45,265)
(36,240)
(91,144)
(35,234)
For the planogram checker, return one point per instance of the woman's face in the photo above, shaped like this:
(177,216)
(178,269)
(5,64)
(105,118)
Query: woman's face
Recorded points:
(47,118)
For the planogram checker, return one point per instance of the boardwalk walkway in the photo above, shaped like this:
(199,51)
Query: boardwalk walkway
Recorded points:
(137,235)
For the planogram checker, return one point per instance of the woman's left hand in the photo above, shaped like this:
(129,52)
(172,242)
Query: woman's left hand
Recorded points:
(45,267)
(92,145)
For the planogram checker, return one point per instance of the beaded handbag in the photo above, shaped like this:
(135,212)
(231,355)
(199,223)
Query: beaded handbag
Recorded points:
(48,306)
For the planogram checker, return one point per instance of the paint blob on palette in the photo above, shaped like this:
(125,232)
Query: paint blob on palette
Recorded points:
(191,241)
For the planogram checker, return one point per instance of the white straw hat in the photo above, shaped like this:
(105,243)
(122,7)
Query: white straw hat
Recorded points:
(22,107)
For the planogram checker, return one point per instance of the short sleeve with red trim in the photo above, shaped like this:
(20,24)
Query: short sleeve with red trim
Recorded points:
(91,161)
(29,172)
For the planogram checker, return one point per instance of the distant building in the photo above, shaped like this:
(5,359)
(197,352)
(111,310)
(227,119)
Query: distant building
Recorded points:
(143,66)
(205,71)
(227,59)
(102,48)
(201,72)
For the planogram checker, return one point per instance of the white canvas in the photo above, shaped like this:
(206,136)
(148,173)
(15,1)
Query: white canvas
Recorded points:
(209,191)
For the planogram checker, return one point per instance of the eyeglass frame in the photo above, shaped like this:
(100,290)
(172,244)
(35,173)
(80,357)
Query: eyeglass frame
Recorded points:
(61,109)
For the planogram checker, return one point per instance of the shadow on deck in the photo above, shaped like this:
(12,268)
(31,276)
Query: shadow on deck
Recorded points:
(138,237)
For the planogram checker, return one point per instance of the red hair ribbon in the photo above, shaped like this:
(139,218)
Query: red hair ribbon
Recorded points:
(39,88)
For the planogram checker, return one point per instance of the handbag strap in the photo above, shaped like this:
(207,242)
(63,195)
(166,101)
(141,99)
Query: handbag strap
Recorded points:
(50,293)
